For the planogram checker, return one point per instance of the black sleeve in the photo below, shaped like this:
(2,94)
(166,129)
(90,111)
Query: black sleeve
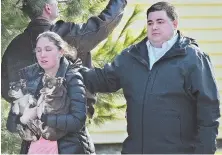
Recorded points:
(12,122)
(84,37)
(4,73)
(208,112)
(105,79)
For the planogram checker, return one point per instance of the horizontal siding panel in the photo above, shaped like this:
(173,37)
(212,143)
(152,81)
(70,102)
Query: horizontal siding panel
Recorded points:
(205,35)
(219,54)
(200,23)
(218,72)
(201,17)
(216,60)
(109,132)
(211,48)
(117,125)
(202,29)
(108,138)
(219,84)
(188,10)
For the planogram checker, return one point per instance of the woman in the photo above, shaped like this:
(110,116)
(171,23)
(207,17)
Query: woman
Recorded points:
(57,59)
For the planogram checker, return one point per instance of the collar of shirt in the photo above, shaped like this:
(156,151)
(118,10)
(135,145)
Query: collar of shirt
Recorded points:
(155,54)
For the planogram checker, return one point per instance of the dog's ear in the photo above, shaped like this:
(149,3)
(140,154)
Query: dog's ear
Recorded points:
(59,81)
(23,83)
(11,84)
(44,78)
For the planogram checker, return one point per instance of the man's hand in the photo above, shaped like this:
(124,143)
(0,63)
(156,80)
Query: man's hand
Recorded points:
(28,115)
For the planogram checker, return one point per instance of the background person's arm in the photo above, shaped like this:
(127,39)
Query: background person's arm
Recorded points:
(84,37)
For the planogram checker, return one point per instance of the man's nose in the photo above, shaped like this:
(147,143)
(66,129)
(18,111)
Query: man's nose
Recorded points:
(155,26)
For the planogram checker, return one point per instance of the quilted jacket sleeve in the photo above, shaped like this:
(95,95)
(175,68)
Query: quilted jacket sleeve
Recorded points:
(75,119)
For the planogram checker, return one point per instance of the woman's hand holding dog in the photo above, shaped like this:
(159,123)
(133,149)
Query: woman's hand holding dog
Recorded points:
(28,115)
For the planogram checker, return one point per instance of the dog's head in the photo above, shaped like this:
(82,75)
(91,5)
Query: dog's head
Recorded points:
(51,83)
(17,89)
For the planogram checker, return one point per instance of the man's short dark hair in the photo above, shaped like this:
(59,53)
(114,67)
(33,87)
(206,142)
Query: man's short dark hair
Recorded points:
(33,8)
(164,6)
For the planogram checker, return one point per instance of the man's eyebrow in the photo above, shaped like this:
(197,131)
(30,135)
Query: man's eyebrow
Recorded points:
(159,19)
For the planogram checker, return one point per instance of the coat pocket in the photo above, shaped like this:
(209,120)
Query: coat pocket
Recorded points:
(166,125)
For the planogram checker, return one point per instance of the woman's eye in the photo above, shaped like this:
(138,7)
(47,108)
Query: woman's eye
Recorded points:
(48,49)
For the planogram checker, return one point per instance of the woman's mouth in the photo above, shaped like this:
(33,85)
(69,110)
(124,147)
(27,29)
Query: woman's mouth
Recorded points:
(43,61)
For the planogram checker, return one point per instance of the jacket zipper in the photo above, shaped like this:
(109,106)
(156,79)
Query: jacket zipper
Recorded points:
(144,96)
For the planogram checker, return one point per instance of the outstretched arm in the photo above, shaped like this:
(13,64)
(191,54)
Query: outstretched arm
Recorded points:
(84,37)
(103,80)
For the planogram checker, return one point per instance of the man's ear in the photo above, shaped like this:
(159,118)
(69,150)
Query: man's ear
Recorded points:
(175,24)
(47,8)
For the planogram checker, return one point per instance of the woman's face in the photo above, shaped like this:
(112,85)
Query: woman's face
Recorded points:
(48,55)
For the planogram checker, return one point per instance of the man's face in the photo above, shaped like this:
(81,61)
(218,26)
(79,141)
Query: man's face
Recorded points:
(160,28)
(54,9)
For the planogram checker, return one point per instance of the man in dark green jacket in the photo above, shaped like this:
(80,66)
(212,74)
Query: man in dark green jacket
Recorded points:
(168,83)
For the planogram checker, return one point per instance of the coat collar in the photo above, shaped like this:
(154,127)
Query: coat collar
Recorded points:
(64,64)
(33,71)
(178,49)
(39,24)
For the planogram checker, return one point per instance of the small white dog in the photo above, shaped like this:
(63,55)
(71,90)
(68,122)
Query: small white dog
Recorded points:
(22,98)
(23,101)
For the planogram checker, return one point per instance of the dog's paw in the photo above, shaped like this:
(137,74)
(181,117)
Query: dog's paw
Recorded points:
(21,131)
(32,101)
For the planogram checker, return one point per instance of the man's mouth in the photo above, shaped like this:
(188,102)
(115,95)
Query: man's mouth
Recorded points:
(155,34)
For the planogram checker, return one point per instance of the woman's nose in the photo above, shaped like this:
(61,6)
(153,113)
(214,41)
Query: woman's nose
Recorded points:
(42,54)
